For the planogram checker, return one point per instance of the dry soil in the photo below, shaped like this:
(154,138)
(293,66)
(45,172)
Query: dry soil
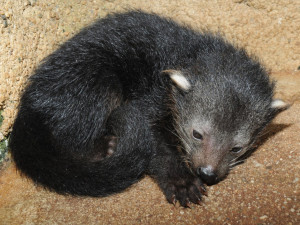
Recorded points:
(263,190)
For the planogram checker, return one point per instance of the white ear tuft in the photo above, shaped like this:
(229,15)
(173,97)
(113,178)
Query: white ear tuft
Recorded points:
(179,79)
(279,104)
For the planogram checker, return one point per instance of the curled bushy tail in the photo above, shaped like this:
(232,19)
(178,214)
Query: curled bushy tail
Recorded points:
(35,156)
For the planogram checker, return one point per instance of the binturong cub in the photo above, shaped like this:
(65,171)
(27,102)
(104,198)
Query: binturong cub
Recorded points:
(137,94)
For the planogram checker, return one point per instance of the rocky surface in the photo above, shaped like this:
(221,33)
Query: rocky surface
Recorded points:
(263,190)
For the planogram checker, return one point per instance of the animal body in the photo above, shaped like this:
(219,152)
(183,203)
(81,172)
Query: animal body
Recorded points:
(137,94)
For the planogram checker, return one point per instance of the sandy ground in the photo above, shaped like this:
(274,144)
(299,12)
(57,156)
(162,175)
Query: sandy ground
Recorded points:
(263,190)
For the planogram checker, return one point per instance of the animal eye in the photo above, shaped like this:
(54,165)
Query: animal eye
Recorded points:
(197,135)
(236,149)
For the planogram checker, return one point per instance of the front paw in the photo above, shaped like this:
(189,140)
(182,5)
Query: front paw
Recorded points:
(104,148)
(185,190)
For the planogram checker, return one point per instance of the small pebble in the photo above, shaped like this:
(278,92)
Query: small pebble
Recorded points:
(257,164)
(263,217)
(5,23)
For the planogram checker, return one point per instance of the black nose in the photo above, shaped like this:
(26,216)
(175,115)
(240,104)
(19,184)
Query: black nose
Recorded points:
(207,175)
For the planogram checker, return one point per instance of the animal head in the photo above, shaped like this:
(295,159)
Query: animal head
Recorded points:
(219,113)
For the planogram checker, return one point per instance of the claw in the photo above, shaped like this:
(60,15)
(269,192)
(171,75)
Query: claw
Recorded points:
(110,151)
(174,200)
(203,190)
(199,202)
(188,204)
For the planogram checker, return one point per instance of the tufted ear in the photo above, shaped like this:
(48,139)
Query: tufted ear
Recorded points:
(179,79)
(278,106)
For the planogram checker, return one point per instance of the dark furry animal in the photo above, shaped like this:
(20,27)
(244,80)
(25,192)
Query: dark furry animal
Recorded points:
(137,94)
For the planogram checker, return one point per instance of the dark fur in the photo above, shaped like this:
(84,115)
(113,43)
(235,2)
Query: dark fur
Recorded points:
(105,89)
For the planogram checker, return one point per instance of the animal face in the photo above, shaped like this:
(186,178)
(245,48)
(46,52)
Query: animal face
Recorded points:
(211,152)
(218,119)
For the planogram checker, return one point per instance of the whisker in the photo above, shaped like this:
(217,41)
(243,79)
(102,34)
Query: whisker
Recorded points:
(236,163)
